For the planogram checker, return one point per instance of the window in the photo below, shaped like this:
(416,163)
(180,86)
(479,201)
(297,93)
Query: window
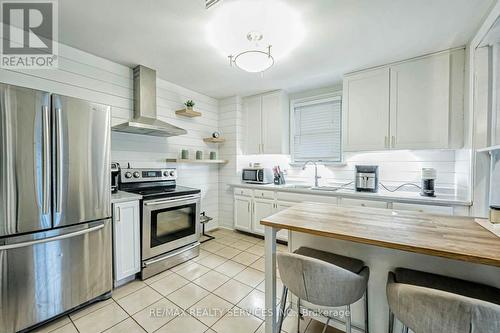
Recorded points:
(316,129)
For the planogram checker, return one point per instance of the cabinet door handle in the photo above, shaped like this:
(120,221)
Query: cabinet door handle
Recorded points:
(118,214)
(393,139)
(386,142)
(249,206)
(262,148)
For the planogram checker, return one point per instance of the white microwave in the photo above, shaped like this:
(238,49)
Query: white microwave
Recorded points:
(257,175)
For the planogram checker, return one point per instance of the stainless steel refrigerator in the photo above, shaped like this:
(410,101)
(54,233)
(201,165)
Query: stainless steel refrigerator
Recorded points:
(55,227)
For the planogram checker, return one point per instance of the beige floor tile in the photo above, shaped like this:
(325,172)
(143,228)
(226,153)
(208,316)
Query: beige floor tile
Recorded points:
(259,264)
(128,325)
(242,245)
(212,280)
(188,295)
(230,268)
(210,309)
(254,303)
(157,277)
(228,252)
(237,323)
(317,327)
(193,271)
(183,324)
(128,288)
(279,287)
(157,314)
(101,319)
(290,324)
(139,299)
(233,291)
(227,240)
(250,276)
(212,246)
(90,308)
(245,258)
(169,284)
(212,261)
(256,249)
(68,328)
(262,328)
(63,321)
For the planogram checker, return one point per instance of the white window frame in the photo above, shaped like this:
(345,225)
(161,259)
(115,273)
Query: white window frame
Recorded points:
(317,99)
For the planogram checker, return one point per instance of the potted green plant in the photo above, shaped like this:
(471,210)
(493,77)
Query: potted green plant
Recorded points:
(189,105)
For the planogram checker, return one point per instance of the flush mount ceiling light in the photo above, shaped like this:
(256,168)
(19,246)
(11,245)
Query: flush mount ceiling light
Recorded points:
(254,34)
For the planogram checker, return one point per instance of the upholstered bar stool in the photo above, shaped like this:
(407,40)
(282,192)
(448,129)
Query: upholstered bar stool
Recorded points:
(428,303)
(322,279)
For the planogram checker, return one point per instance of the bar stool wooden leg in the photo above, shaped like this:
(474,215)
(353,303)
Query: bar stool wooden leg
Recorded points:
(282,314)
(348,319)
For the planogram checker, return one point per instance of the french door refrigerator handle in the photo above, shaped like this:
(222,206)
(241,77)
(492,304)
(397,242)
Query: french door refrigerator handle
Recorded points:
(50,239)
(45,159)
(59,159)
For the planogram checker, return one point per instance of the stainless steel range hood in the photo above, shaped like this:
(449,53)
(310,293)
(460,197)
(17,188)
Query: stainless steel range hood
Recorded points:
(145,121)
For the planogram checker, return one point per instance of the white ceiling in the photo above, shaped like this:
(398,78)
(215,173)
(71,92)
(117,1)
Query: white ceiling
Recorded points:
(341,36)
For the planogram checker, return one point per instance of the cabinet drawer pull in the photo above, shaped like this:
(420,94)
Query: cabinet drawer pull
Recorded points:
(118,214)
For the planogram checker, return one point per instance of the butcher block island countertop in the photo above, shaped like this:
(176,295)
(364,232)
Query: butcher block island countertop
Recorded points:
(452,237)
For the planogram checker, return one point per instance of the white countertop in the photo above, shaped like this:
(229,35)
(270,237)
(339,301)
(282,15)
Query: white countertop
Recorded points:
(381,195)
(122,196)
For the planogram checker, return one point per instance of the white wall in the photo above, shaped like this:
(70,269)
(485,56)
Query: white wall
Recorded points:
(395,167)
(230,125)
(86,76)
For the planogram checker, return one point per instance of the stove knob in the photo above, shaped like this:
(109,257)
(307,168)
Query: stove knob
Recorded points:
(172,173)
(165,173)
(137,174)
(128,175)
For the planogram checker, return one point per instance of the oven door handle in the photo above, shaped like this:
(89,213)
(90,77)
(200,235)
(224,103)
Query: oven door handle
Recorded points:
(162,202)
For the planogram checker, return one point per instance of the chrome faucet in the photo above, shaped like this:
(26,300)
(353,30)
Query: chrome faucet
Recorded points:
(316,177)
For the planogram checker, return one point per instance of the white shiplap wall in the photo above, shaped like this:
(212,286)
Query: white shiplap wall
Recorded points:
(86,76)
(395,167)
(230,124)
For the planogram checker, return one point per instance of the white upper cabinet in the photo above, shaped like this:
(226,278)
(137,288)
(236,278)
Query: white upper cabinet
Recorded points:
(253,130)
(415,104)
(365,110)
(267,123)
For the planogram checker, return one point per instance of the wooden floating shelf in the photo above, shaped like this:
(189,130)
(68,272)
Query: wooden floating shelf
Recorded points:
(188,113)
(180,160)
(214,140)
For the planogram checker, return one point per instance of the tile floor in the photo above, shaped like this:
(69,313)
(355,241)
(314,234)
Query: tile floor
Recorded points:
(219,291)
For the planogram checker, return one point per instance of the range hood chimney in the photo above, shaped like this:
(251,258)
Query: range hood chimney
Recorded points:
(145,120)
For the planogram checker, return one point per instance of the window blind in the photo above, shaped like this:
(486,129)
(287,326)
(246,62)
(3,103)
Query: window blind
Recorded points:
(317,131)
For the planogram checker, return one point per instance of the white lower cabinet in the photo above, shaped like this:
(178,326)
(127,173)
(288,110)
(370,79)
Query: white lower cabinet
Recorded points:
(251,206)
(444,210)
(261,208)
(126,239)
(242,213)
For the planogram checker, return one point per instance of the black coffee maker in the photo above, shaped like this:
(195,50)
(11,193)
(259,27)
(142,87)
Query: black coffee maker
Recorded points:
(115,176)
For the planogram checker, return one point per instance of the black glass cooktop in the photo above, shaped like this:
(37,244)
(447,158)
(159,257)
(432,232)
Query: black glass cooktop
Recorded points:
(163,191)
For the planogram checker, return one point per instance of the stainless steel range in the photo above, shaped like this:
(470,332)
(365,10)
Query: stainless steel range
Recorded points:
(170,218)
